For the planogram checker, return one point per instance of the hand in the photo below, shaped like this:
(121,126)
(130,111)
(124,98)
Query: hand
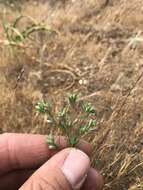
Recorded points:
(26,159)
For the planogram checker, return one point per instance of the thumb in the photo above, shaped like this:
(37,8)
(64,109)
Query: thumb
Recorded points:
(67,169)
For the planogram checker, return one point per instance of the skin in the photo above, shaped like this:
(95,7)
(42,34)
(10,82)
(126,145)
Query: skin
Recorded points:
(22,155)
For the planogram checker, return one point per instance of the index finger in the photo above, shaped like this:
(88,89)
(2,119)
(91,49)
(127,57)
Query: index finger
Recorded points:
(24,151)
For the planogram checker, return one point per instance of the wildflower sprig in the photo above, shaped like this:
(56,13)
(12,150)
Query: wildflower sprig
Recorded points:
(88,108)
(43,108)
(74,120)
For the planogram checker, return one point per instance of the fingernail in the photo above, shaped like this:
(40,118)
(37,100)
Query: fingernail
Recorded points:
(76,167)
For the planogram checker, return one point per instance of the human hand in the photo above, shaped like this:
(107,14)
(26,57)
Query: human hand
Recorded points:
(26,159)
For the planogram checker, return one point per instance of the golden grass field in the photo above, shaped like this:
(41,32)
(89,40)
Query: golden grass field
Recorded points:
(94,48)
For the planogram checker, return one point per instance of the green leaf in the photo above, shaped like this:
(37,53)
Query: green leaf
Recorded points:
(72,99)
(50,141)
(83,130)
(73,141)
(40,107)
(63,112)
(92,123)
(43,108)
(86,128)
(88,108)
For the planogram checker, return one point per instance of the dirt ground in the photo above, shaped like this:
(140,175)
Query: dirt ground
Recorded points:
(96,51)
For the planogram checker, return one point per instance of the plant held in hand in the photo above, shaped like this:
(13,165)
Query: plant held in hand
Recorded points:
(74,120)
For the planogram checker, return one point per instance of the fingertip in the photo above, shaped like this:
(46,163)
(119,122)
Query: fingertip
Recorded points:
(16,147)
(94,180)
(85,147)
(99,179)
(75,173)
(59,172)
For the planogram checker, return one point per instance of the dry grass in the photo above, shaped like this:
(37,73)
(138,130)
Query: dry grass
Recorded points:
(98,52)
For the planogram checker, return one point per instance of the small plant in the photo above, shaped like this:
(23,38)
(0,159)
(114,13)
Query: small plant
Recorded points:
(74,120)
(16,36)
